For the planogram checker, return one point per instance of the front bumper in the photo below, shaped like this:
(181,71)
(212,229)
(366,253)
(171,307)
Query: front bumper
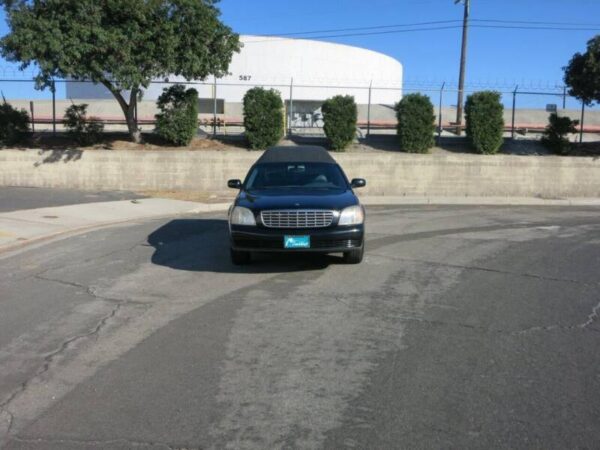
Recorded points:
(324,240)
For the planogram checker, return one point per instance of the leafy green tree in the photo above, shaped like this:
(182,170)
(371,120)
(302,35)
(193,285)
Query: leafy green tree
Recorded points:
(485,122)
(122,44)
(582,74)
(415,123)
(177,121)
(263,117)
(339,116)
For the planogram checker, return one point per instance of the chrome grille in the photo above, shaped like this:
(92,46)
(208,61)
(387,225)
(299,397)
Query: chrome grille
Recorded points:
(297,218)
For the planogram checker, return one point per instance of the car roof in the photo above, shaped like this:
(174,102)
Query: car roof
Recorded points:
(297,154)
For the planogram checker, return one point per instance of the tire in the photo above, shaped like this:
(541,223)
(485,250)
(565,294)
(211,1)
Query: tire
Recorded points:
(239,258)
(354,256)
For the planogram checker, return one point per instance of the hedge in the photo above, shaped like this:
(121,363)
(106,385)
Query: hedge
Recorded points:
(416,124)
(177,121)
(555,136)
(84,130)
(340,115)
(263,117)
(485,122)
(14,124)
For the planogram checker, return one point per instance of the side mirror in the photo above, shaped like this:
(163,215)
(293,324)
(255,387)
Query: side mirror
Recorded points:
(358,182)
(234,184)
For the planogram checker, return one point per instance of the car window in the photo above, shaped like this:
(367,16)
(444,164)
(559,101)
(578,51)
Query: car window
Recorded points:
(296,175)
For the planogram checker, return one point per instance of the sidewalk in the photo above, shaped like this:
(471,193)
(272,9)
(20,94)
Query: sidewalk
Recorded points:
(23,227)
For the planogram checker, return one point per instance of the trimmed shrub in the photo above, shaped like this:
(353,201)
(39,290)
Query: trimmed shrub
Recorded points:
(339,116)
(555,136)
(14,124)
(177,121)
(416,123)
(263,117)
(485,122)
(86,131)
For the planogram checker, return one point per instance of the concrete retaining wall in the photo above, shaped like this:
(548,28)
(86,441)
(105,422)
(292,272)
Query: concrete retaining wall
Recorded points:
(390,174)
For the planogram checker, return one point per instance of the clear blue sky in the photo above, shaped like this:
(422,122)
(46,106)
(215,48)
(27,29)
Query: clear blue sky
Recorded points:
(495,55)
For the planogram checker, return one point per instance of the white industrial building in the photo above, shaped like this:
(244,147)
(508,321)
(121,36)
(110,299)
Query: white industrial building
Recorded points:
(307,70)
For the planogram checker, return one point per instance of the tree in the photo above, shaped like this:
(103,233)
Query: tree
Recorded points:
(485,122)
(582,74)
(263,117)
(177,121)
(340,114)
(122,44)
(556,134)
(415,123)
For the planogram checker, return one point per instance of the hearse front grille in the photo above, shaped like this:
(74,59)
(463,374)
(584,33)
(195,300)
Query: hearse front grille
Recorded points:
(297,218)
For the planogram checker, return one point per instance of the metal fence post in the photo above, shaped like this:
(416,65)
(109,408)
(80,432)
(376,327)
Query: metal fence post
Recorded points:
(514,108)
(53,107)
(215,107)
(581,122)
(32,117)
(369,110)
(291,107)
(440,113)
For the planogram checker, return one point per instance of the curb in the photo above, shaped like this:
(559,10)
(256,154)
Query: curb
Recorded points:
(476,201)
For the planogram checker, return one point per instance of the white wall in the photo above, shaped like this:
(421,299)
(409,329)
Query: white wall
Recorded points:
(275,61)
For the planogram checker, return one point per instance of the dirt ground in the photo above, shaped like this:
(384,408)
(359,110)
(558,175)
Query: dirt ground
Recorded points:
(522,145)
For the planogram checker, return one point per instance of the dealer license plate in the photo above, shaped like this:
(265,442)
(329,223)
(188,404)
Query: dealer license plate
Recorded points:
(296,241)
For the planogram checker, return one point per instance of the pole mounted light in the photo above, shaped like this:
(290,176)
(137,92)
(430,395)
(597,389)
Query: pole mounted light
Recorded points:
(463,63)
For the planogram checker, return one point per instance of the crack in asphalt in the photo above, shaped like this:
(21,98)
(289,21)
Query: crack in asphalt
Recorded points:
(49,359)
(102,443)
(592,317)
(83,261)
(90,291)
(65,345)
(486,269)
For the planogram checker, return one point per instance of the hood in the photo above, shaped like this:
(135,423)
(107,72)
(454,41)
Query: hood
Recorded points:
(297,199)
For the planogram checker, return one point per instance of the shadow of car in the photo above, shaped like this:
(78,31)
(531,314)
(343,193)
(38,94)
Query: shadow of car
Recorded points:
(202,245)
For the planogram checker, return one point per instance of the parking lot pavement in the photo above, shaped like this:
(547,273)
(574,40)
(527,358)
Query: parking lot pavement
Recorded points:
(19,198)
(465,327)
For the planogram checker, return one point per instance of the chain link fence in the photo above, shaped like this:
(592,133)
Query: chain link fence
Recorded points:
(221,111)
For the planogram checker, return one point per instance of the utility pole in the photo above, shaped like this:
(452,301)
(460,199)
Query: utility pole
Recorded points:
(463,63)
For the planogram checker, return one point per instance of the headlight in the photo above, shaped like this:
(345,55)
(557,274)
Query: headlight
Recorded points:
(242,216)
(353,215)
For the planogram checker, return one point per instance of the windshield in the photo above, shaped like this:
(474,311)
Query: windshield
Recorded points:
(296,175)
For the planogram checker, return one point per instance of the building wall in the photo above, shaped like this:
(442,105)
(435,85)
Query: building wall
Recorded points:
(275,62)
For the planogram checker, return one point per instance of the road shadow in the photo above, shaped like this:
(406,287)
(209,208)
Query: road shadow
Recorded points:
(202,245)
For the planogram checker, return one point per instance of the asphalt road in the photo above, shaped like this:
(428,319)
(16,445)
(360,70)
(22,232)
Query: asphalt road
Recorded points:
(465,327)
(17,198)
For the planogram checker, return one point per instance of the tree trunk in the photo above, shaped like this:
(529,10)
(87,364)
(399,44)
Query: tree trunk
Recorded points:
(128,110)
(132,125)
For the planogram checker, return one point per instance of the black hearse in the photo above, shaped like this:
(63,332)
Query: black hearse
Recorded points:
(296,199)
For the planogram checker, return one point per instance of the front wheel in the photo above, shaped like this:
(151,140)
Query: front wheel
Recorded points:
(239,258)
(354,256)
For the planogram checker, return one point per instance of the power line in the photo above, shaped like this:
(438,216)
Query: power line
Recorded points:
(387,29)
(375,27)
(360,34)
(531,22)
(522,27)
